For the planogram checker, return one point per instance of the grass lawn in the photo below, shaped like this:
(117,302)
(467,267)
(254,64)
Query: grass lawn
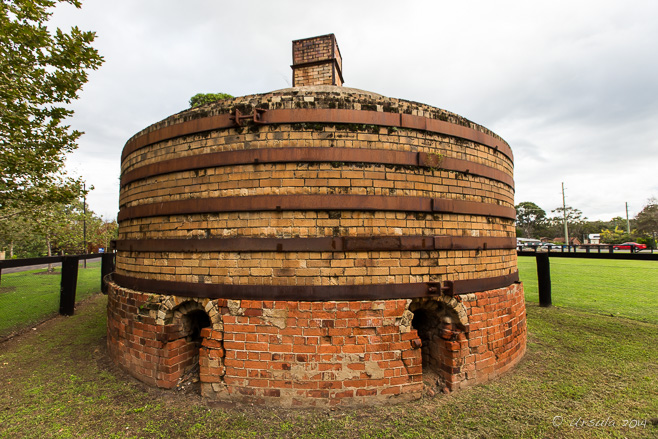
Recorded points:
(579,368)
(29,297)
(619,288)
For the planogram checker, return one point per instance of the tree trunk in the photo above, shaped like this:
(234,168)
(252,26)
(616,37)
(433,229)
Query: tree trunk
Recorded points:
(50,253)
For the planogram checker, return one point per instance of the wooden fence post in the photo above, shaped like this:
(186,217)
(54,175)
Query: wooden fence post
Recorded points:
(544,279)
(68,285)
(107,267)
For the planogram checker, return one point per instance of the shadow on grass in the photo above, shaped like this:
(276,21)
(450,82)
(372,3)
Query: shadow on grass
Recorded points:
(58,382)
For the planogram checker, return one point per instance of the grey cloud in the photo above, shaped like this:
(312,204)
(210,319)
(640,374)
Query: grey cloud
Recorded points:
(571,86)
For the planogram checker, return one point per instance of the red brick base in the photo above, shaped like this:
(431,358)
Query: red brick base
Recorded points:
(317,353)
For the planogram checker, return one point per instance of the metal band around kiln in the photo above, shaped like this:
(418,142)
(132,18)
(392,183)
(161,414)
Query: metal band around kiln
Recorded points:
(315,202)
(306,115)
(322,244)
(316,154)
(315,293)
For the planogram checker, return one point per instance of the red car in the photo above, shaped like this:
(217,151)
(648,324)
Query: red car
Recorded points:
(632,246)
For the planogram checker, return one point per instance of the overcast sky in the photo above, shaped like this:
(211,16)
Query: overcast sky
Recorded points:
(571,86)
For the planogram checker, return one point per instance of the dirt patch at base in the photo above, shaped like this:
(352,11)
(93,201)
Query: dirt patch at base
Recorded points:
(7,289)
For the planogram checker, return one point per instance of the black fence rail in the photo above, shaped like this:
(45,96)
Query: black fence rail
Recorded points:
(639,256)
(69,279)
(544,265)
(583,248)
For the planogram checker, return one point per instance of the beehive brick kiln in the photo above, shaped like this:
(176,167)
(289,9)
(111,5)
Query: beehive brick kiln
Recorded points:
(317,245)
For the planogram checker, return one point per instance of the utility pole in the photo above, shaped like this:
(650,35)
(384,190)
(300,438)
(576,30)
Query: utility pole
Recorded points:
(628,223)
(564,211)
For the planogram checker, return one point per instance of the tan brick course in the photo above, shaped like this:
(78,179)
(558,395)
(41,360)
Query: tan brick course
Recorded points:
(318,178)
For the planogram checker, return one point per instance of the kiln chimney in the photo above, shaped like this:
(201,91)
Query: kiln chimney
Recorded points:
(316,61)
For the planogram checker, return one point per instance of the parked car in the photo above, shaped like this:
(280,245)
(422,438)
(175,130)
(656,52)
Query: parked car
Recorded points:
(550,246)
(632,246)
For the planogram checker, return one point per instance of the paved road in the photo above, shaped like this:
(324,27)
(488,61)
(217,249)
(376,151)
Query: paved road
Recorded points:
(36,267)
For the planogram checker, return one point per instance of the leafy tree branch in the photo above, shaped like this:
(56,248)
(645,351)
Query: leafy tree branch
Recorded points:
(40,73)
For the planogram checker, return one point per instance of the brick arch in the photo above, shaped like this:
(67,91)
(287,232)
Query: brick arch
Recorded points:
(191,317)
(455,309)
(458,310)
(172,308)
(438,322)
(188,322)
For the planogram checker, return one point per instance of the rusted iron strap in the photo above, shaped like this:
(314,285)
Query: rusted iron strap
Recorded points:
(195,126)
(457,287)
(473,243)
(472,208)
(312,293)
(361,117)
(319,154)
(323,244)
(468,167)
(314,202)
(310,115)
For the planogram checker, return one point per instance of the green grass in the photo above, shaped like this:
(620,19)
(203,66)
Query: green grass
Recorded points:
(620,288)
(593,357)
(29,297)
(58,382)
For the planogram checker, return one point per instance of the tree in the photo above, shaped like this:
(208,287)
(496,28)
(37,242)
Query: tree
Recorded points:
(17,238)
(573,215)
(529,218)
(103,233)
(646,221)
(615,236)
(54,228)
(40,73)
(618,222)
(575,220)
(205,98)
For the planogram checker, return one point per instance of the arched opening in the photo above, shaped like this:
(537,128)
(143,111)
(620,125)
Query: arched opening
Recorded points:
(192,323)
(433,321)
(428,324)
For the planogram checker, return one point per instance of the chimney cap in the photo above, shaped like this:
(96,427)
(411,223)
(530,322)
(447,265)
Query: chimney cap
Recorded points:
(316,61)
(332,36)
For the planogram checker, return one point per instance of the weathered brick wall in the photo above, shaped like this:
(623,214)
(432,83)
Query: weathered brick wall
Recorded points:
(311,178)
(316,353)
(137,341)
(317,268)
(317,350)
(487,340)
(316,61)
(317,135)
